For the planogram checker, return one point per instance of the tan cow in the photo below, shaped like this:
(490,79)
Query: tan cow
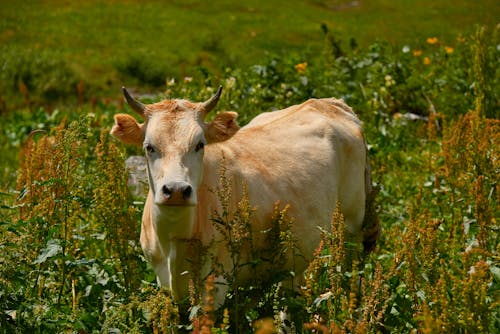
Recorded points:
(308,156)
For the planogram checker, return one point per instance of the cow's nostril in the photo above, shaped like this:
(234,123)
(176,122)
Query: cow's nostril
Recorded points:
(186,193)
(166,191)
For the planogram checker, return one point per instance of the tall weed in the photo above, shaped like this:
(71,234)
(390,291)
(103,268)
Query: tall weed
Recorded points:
(68,266)
(70,260)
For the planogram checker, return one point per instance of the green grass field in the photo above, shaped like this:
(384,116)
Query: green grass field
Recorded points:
(423,76)
(102,41)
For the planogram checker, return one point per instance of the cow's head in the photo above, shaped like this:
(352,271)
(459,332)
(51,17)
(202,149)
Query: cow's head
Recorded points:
(173,136)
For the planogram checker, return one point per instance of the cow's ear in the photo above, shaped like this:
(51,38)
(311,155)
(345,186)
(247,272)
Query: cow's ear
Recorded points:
(127,130)
(223,127)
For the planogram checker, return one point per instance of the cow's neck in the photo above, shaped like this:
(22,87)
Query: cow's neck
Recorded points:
(173,221)
(174,228)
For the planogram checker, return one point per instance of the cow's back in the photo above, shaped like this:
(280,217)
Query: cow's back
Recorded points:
(308,156)
(331,107)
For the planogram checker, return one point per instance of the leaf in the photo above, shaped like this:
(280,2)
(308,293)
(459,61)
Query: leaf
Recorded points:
(88,289)
(421,295)
(194,312)
(322,298)
(495,271)
(102,278)
(53,248)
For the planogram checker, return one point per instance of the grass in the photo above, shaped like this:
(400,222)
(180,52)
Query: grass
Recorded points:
(69,254)
(97,39)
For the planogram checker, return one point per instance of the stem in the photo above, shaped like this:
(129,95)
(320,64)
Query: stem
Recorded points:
(66,198)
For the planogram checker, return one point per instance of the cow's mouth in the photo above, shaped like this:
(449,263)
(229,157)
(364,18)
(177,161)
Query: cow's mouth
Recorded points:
(176,203)
(179,204)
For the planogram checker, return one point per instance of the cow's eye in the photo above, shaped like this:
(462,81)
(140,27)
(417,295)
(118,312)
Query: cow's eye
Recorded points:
(149,148)
(200,146)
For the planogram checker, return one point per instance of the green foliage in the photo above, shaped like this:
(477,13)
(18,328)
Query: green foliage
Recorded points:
(75,249)
(36,75)
(69,254)
(107,44)
(145,68)
(382,83)
(149,310)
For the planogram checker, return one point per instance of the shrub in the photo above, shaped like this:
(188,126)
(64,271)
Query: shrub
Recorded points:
(36,75)
(62,238)
(71,226)
(148,69)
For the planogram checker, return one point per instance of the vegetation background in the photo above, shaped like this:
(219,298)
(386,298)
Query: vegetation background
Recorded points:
(422,75)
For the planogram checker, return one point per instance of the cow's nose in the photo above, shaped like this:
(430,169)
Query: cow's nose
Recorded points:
(167,191)
(186,191)
(177,191)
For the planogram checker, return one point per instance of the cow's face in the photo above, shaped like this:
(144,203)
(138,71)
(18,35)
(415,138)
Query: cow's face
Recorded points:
(174,136)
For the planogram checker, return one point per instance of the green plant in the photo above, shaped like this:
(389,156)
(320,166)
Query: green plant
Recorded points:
(36,75)
(146,68)
(149,310)
(69,254)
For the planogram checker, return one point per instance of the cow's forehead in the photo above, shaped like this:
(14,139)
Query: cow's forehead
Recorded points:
(171,107)
(172,121)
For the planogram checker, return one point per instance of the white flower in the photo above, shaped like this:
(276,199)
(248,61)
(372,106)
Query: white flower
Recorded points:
(389,81)
(230,82)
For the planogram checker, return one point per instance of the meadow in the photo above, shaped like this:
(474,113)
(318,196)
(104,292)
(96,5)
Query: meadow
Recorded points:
(425,83)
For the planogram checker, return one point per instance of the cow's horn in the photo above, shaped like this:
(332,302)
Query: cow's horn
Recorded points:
(212,102)
(133,103)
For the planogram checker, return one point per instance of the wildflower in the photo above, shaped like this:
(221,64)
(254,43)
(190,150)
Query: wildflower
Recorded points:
(406,49)
(225,321)
(301,68)
(230,82)
(389,81)
(417,53)
(170,82)
(449,49)
(263,326)
(432,40)
(427,60)
(188,79)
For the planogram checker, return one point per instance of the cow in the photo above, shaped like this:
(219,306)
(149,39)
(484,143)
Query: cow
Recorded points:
(309,156)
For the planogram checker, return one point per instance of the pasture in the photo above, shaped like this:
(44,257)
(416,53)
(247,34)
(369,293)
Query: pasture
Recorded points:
(425,82)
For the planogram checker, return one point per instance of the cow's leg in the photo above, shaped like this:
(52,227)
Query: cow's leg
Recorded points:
(163,277)
(222,287)
(353,236)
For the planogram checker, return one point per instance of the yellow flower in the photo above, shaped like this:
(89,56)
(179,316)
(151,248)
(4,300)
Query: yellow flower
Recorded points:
(301,67)
(417,53)
(427,60)
(432,40)
(449,49)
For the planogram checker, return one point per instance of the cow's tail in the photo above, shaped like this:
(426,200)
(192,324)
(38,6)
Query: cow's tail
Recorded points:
(371,223)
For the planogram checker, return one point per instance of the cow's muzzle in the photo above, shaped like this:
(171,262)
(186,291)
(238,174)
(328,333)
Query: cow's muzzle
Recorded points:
(177,193)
